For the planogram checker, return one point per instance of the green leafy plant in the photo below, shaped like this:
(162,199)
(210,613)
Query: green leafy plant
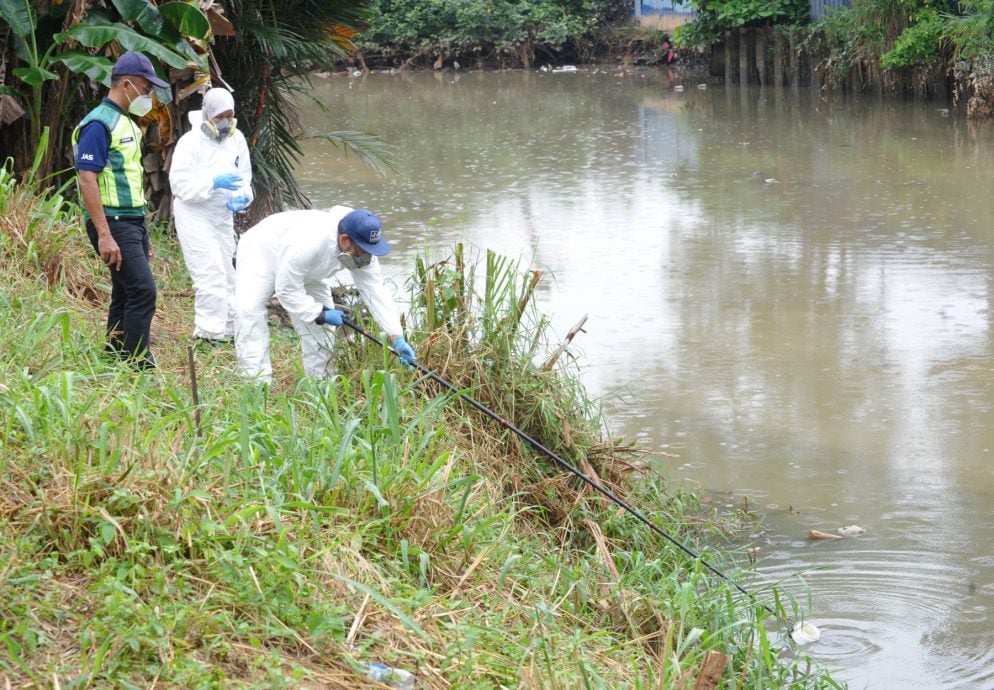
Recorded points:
(971,32)
(485,29)
(714,17)
(919,44)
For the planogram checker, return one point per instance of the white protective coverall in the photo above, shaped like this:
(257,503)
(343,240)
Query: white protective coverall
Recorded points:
(294,254)
(204,225)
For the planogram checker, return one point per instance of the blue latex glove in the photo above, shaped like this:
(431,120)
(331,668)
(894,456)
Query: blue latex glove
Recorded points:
(227,181)
(330,317)
(237,203)
(405,351)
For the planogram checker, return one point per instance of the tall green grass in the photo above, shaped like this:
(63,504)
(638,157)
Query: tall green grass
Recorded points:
(284,536)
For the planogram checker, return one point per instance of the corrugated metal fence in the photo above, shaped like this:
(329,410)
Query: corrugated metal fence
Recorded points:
(665,15)
(644,9)
(648,8)
(819,8)
(677,12)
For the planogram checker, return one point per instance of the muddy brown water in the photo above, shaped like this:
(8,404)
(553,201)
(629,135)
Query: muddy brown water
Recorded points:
(792,294)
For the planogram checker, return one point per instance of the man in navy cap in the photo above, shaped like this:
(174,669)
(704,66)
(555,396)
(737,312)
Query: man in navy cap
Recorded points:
(295,254)
(107,147)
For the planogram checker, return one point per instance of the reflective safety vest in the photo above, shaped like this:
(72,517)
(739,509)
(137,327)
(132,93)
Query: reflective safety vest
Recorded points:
(122,181)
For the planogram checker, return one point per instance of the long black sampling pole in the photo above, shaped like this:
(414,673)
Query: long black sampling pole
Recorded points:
(558,460)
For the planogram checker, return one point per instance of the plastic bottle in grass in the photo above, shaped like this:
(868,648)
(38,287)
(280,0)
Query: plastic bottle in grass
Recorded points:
(394,677)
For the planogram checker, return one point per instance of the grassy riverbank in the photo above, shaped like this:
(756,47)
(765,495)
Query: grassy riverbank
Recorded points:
(284,537)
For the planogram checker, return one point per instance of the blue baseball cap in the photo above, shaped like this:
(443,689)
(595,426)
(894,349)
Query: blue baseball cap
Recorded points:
(135,64)
(364,228)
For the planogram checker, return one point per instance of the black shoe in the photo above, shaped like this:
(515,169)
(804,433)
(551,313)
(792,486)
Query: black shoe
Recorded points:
(144,363)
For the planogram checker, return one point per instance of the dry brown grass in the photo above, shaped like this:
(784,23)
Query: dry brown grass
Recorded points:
(39,241)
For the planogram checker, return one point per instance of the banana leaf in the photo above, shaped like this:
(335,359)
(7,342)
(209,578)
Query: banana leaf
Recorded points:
(19,16)
(96,67)
(184,47)
(99,35)
(32,76)
(187,19)
(143,13)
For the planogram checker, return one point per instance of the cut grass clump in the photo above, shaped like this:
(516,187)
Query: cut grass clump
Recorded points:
(286,536)
(38,237)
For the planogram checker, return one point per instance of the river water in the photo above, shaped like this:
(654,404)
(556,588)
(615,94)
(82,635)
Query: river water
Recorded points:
(792,294)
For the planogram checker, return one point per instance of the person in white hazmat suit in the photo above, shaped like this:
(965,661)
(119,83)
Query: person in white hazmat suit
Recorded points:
(295,254)
(211,178)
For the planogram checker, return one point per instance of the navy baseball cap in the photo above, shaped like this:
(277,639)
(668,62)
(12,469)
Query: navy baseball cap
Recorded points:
(135,64)
(364,228)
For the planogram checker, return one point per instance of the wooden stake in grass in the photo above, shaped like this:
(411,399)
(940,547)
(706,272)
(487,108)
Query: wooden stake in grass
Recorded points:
(711,670)
(562,348)
(194,389)
(515,317)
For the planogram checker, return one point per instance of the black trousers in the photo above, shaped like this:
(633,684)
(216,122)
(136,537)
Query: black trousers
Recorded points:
(132,296)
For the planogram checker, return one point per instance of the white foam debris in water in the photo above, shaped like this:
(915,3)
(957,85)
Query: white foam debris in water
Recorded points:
(805,634)
(851,531)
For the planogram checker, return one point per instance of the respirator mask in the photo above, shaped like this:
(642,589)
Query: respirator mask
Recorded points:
(220,129)
(354,263)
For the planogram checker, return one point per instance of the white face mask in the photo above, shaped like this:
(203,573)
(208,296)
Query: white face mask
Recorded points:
(141,105)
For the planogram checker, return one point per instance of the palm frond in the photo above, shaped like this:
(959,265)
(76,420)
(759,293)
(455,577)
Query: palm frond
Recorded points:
(268,61)
(369,148)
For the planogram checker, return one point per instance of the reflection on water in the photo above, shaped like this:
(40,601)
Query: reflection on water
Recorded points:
(791,294)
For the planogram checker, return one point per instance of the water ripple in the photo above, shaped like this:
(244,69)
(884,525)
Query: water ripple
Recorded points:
(854,642)
(921,617)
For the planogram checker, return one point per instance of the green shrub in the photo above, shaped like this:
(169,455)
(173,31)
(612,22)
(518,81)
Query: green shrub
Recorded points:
(714,17)
(461,27)
(971,33)
(919,44)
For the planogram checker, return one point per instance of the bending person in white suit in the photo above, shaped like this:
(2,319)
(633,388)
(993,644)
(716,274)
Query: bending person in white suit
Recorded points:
(211,178)
(294,254)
